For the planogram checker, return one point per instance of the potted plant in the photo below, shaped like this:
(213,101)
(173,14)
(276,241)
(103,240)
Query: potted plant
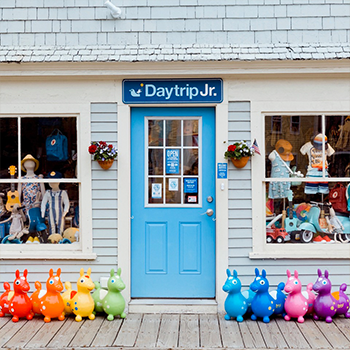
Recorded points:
(104,153)
(239,153)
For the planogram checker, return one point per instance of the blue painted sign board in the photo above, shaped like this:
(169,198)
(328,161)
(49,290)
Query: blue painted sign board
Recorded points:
(190,185)
(172,91)
(172,161)
(222,171)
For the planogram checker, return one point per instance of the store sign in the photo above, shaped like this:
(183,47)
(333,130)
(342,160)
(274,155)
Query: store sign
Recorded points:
(172,161)
(222,170)
(190,185)
(173,91)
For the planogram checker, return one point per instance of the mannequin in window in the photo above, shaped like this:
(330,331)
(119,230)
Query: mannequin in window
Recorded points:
(280,159)
(55,205)
(30,193)
(314,151)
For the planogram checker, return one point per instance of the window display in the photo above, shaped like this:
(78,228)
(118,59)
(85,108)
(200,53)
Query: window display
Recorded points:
(316,151)
(38,177)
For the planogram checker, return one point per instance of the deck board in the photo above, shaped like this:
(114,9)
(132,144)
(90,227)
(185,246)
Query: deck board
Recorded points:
(46,333)
(23,336)
(230,333)
(149,329)
(272,335)
(189,331)
(107,333)
(169,331)
(86,332)
(65,334)
(251,334)
(10,329)
(209,331)
(173,331)
(313,335)
(129,331)
(336,338)
(292,334)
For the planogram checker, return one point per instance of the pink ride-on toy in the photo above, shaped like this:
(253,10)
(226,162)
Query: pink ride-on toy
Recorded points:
(297,302)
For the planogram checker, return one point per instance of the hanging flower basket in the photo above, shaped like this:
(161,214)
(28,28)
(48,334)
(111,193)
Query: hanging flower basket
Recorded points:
(103,153)
(239,153)
(240,163)
(105,164)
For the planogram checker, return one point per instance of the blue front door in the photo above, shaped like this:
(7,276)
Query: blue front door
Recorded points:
(173,202)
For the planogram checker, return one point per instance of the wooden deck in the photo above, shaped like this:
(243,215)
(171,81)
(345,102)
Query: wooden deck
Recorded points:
(171,331)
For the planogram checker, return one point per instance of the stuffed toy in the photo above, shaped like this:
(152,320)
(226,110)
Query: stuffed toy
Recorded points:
(54,238)
(71,233)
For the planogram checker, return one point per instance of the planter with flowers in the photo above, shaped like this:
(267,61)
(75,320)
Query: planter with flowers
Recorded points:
(239,153)
(104,153)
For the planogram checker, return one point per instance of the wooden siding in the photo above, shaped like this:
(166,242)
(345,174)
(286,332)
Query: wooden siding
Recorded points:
(240,221)
(104,127)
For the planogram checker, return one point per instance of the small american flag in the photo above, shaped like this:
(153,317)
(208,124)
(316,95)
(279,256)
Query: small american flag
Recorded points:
(256,147)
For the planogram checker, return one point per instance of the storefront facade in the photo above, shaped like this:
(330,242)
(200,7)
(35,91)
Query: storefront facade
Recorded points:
(172,212)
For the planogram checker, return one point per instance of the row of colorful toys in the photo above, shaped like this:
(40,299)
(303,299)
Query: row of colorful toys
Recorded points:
(52,303)
(262,303)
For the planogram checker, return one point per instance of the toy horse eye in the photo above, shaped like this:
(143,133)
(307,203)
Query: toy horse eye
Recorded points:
(112,281)
(51,282)
(234,282)
(324,282)
(262,282)
(18,282)
(82,280)
(295,282)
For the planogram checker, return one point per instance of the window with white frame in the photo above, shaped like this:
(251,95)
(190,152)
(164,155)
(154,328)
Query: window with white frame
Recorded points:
(307,179)
(39,187)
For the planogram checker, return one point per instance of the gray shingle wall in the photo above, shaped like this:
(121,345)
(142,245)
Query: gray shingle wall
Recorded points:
(88,22)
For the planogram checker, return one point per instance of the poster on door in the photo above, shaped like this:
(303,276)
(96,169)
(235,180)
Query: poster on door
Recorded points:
(172,161)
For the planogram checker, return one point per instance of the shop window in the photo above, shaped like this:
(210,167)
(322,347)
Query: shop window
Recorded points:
(307,179)
(39,187)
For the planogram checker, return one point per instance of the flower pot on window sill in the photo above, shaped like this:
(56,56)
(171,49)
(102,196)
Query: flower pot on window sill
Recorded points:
(105,164)
(240,163)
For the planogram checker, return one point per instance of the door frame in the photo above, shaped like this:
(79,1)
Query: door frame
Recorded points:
(124,192)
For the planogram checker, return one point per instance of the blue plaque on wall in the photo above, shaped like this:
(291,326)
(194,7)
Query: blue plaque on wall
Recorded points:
(173,91)
(222,170)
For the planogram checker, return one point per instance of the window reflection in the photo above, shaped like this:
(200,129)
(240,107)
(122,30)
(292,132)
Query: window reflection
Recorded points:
(155,132)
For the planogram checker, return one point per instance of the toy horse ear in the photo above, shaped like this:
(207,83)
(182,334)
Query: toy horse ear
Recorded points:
(111,273)
(319,273)
(234,273)
(81,272)
(257,272)
(51,273)
(58,272)
(326,273)
(25,273)
(288,273)
(228,272)
(296,274)
(119,272)
(89,271)
(17,273)
(263,272)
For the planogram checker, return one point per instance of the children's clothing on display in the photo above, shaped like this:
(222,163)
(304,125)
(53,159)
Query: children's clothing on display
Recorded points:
(56,203)
(279,168)
(315,165)
(30,192)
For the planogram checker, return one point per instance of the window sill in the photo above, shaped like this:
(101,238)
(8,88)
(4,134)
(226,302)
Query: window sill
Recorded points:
(302,251)
(44,252)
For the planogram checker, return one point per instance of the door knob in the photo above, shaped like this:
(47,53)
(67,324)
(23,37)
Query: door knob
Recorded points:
(209,212)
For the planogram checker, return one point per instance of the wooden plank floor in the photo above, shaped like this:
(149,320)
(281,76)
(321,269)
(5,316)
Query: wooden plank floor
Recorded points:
(173,331)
